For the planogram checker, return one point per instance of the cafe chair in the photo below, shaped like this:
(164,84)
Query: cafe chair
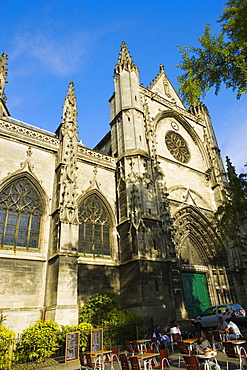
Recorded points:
(182,350)
(135,364)
(124,362)
(174,339)
(82,358)
(164,362)
(129,347)
(191,335)
(136,347)
(92,364)
(115,359)
(209,336)
(217,339)
(232,352)
(155,347)
(191,363)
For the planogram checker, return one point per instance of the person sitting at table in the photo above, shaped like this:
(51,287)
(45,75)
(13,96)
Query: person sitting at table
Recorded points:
(203,346)
(192,331)
(157,332)
(164,341)
(222,327)
(175,328)
(232,330)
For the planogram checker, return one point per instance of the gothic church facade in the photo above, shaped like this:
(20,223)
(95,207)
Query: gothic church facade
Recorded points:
(132,216)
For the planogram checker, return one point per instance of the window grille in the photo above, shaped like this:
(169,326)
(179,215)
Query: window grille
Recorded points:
(94,229)
(20,215)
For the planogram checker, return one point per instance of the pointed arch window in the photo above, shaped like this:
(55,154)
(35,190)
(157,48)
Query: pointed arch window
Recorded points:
(20,216)
(94,228)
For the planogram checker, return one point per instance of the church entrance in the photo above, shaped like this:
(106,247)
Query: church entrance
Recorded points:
(195,293)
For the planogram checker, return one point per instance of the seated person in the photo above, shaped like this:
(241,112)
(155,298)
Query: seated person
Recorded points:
(164,341)
(222,325)
(232,330)
(203,346)
(175,328)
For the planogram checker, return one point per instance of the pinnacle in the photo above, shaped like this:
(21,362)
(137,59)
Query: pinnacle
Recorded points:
(69,108)
(124,61)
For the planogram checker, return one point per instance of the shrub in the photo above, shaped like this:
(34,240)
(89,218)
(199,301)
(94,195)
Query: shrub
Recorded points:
(102,310)
(83,328)
(7,339)
(38,341)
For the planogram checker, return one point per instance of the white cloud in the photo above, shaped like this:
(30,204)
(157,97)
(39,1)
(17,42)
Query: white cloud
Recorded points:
(59,55)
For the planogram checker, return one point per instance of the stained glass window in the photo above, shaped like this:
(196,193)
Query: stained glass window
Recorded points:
(20,214)
(94,229)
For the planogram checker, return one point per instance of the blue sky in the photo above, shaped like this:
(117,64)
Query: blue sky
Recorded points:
(50,43)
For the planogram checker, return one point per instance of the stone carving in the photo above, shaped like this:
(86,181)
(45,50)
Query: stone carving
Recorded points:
(27,132)
(68,159)
(3,75)
(177,146)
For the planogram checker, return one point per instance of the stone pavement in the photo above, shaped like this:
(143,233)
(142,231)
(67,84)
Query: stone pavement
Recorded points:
(173,360)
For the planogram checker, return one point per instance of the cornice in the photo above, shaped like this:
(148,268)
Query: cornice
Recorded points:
(91,154)
(21,130)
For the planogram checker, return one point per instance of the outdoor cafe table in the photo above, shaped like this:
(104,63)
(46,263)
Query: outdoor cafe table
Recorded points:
(146,357)
(100,355)
(237,344)
(142,343)
(190,342)
(207,358)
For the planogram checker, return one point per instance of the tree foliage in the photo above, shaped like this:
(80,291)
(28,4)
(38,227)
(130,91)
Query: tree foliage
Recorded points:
(232,214)
(96,308)
(220,60)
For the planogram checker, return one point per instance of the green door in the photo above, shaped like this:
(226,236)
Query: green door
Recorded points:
(195,293)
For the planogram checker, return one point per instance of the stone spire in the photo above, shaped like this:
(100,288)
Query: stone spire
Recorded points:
(3,75)
(69,109)
(124,61)
(231,172)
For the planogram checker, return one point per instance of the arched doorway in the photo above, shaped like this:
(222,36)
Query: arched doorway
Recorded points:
(202,261)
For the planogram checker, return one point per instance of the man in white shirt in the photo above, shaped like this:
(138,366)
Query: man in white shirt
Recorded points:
(232,330)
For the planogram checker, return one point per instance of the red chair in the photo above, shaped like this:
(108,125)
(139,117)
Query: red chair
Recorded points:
(82,359)
(230,352)
(129,347)
(191,363)
(90,364)
(136,347)
(124,362)
(182,350)
(216,338)
(174,339)
(135,365)
(164,362)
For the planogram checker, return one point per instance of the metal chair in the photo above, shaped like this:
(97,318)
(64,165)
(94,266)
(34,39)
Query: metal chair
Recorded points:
(216,338)
(231,352)
(135,365)
(124,362)
(191,363)
(136,347)
(129,347)
(174,339)
(164,362)
(93,364)
(182,350)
